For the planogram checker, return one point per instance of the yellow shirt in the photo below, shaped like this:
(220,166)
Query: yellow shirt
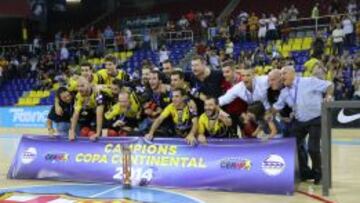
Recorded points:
(211,127)
(309,65)
(105,78)
(90,102)
(181,118)
(132,112)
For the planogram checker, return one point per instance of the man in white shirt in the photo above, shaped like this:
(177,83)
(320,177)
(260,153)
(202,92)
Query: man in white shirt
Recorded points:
(338,40)
(64,53)
(348,29)
(272,24)
(305,95)
(252,88)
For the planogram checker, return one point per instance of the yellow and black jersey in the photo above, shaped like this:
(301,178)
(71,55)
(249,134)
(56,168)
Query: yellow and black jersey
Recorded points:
(211,127)
(106,79)
(91,102)
(115,111)
(182,118)
(130,115)
(72,82)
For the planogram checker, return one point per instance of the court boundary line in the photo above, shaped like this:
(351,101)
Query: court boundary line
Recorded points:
(104,192)
(315,197)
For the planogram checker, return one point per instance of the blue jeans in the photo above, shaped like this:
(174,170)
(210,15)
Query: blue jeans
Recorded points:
(62,128)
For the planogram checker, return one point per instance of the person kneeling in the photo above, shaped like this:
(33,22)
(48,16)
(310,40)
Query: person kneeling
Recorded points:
(184,115)
(214,122)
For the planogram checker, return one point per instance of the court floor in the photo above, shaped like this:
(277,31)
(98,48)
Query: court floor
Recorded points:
(346,179)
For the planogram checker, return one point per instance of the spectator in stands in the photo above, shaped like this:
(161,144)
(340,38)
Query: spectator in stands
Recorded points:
(183,23)
(146,39)
(1,75)
(214,60)
(356,78)
(348,28)
(119,41)
(128,39)
(163,54)
(108,33)
(293,12)
(315,13)
(242,32)
(271,33)
(358,31)
(352,9)
(253,24)
(338,36)
(36,45)
(64,53)
(62,122)
(153,40)
(243,17)
(229,47)
(318,45)
(285,30)
(262,28)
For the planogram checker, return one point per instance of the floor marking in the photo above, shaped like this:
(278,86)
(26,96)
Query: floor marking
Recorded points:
(104,192)
(314,196)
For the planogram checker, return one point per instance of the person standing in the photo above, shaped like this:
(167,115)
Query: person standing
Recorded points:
(304,96)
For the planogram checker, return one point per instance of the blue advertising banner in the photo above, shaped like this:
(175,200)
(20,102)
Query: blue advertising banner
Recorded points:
(24,117)
(231,165)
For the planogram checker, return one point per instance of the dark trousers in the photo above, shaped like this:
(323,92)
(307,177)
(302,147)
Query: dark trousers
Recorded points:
(301,130)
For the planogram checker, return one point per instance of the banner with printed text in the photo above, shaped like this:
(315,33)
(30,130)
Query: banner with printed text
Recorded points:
(24,117)
(231,165)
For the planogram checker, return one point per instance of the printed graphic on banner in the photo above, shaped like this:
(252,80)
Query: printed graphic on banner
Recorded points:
(346,118)
(166,162)
(24,117)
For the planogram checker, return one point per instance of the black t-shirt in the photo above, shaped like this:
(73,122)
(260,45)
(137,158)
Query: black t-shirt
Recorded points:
(211,86)
(273,96)
(68,110)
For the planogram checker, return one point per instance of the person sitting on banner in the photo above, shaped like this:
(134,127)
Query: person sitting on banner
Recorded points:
(62,122)
(214,122)
(88,110)
(184,115)
(123,117)
(257,123)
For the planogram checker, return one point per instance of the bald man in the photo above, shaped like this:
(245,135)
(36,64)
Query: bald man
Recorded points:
(273,93)
(304,96)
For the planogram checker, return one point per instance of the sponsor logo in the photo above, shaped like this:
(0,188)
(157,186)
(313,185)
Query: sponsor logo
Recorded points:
(30,116)
(57,157)
(342,118)
(28,155)
(236,164)
(273,165)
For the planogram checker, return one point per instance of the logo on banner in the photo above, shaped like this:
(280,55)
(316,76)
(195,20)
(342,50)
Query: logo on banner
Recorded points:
(273,165)
(28,155)
(57,157)
(342,118)
(236,163)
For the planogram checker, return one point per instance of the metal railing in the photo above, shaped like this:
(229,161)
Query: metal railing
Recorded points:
(300,24)
(183,35)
